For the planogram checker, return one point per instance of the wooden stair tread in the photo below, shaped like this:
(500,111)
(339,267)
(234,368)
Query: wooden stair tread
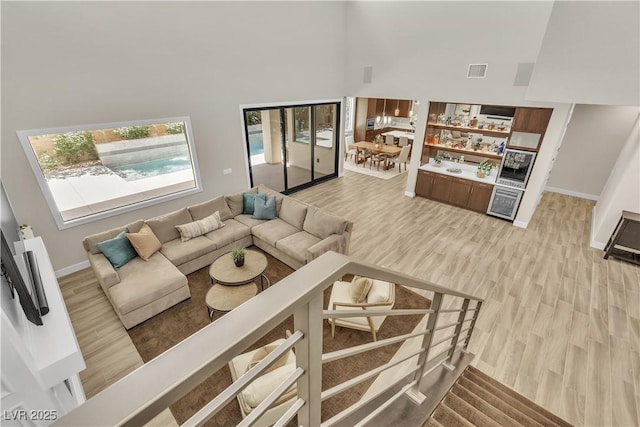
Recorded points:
(486,408)
(495,401)
(550,416)
(521,403)
(448,417)
(479,400)
(467,411)
(431,422)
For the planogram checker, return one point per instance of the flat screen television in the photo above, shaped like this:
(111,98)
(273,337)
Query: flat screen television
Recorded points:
(26,295)
(497,110)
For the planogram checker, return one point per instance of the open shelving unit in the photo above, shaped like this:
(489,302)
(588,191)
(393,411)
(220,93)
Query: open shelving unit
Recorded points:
(484,131)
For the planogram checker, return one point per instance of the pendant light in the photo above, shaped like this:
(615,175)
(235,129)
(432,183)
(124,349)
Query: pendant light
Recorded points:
(397,111)
(383,120)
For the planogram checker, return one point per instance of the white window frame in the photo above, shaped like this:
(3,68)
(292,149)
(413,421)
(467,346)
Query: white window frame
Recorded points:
(23,136)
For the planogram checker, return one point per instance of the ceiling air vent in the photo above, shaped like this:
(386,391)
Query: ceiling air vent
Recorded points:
(477,71)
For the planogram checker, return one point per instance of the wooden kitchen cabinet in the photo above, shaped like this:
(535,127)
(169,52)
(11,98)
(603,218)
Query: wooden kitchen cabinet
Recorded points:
(405,107)
(459,192)
(424,184)
(375,107)
(480,197)
(534,120)
(402,105)
(441,188)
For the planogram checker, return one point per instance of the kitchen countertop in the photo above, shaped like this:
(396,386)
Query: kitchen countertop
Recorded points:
(468,171)
(399,133)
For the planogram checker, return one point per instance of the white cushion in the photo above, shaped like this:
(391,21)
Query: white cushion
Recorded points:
(238,366)
(262,386)
(379,293)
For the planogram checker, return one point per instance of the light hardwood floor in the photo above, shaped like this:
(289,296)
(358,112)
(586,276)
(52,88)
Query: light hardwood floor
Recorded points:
(559,324)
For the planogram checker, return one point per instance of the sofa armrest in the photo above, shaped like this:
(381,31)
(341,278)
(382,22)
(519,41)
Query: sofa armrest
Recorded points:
(335,242)
(106,274)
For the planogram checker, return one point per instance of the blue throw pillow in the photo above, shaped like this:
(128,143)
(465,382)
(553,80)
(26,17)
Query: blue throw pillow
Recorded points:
(118,250)
(249,202)
(265,209)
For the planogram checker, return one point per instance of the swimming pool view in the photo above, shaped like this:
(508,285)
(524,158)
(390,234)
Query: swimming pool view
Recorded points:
(255,143)
(136,171)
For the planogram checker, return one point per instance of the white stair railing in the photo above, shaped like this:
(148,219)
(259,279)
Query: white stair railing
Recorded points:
(137,398)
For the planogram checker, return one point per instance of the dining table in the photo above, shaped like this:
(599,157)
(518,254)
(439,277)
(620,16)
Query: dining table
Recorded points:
(389,150)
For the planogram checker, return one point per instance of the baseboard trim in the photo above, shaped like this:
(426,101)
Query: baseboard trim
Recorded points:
(410,194)
(65,271)
(572,193)
(521,224)
(592,242)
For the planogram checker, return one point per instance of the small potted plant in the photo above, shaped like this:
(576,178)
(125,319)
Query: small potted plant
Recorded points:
(238,256)
(484,169)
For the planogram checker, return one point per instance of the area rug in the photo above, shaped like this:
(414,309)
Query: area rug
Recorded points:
(382,174)
(168,328)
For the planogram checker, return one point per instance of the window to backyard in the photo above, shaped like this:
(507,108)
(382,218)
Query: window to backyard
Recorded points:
(90,172)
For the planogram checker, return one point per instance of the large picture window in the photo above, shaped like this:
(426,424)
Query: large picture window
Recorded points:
(94,171)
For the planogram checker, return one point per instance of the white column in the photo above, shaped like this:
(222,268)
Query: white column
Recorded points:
(416,148)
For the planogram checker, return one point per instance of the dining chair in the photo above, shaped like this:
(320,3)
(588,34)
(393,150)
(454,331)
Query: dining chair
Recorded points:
(362,156)
(403,141)
(402,158)
(378,158)
(350,150)
(389,140)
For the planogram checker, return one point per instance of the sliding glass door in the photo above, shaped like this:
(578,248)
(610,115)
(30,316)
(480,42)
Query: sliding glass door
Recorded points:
(292,147)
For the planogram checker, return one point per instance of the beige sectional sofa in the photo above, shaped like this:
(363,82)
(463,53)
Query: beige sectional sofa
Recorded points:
(141,289)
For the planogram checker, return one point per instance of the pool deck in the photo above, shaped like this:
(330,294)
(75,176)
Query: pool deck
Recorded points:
(89,194)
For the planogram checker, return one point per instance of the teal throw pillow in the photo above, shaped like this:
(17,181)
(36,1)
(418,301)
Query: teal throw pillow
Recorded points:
(249,202)
(118,250)
(265,209)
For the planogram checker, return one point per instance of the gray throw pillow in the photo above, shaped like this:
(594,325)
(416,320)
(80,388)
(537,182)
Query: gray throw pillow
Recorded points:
(264,209)
(248,202)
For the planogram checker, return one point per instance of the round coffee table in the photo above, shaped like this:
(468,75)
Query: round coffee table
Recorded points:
(223,271)
(223,298)
(233,285)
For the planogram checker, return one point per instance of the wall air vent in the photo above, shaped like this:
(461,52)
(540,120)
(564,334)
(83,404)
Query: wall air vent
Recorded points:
(477,71)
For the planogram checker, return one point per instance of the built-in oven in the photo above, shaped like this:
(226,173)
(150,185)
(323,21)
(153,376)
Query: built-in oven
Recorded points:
(504,202)
(371,124)
(515,168)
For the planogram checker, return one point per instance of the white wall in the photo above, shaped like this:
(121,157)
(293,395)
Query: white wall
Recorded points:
(621,192)
(590,54)
(66,63)
(421,50)
(590,148)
